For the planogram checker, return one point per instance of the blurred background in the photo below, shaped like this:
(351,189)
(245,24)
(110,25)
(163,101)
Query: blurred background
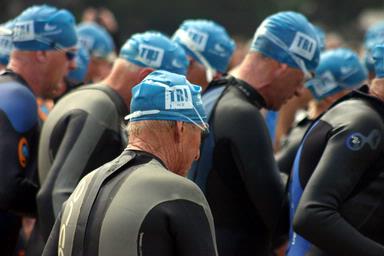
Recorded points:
(341,19)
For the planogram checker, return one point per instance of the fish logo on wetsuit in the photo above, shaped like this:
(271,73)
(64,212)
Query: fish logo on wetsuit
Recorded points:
(356,140)
(23,152)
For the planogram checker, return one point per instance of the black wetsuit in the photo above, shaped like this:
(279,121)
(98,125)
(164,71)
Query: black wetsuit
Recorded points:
(134,206)
(291,143)
(82,132)
(19,131)
(243,186)
(337,187)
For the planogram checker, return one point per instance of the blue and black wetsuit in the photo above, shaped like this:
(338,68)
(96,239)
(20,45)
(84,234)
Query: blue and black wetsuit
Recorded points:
(337,187)
(242,185)
(19,131)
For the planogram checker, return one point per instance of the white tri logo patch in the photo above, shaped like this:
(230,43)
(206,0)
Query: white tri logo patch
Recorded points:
(198,38)
(303,45)
(178,97)
(325,83)
(23,31)
(150,55)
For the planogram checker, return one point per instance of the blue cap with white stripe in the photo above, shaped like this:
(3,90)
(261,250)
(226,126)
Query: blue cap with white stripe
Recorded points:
(288,37)
(339,69)
(207,42)
(44,27)
(155,50)
(374,36)
(163,95)
(96,40)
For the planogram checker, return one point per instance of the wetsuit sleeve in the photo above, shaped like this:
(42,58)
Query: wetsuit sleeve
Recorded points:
(178,227)
(18,138)
(80,139)
(349,152)
(251,148)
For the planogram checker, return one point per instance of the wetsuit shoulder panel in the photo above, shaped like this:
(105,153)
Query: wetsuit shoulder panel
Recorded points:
(19,104)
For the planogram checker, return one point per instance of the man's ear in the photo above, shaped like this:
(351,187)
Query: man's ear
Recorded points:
(281,69)
(143,73)
(41,56)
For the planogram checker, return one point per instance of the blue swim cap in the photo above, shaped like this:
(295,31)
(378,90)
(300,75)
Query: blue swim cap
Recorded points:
(339,69)
(6,42)
(44,27)
(373,37)
(288,37)
(321,37)
(77,75)
(96,40)
(155,50)
(378,57)
(207,42)
(167,96)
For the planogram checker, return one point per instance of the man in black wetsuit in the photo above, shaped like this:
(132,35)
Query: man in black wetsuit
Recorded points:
(209,49)
(83,131)
(236,170)
(140,203)
(339,71)
(338,178)
(44,42)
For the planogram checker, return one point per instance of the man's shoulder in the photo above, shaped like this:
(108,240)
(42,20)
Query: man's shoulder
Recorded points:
(354,112)
(171,185)
(19,105)
(89,100)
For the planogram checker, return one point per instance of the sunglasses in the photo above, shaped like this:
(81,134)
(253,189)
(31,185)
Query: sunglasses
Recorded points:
(69,54)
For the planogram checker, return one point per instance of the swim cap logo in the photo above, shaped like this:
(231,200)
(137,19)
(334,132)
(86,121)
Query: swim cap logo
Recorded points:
(303,45)
(23,152)
(176,63)
(5,45)
(87,42)
(48,27)
(178,97)
(356,141)
(219,48)
(325,83)
(150,55)
(198,38)
(23,31)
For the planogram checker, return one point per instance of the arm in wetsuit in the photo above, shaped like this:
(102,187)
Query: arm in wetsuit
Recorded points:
(244,128)
(79,143)
(18,145)
(354,143)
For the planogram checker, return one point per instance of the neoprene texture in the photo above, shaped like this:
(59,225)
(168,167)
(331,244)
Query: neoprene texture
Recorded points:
(338,182)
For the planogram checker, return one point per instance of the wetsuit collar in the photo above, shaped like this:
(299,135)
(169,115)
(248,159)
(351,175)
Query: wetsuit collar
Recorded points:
(146,154)
(249,92)
(363,93)
(17,77)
